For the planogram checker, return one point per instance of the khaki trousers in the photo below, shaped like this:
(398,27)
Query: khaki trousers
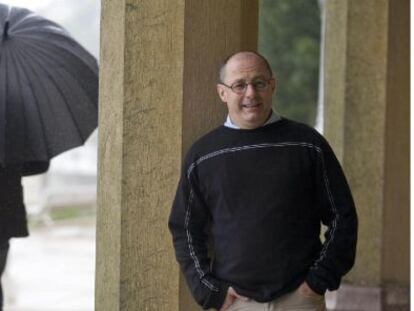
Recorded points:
(294,301)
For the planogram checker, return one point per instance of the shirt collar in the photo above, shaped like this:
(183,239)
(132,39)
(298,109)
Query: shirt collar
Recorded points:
(274,117)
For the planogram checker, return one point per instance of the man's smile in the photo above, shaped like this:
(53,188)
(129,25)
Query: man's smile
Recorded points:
(251,105)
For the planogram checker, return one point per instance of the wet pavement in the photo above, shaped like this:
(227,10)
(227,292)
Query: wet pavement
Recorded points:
(53,269)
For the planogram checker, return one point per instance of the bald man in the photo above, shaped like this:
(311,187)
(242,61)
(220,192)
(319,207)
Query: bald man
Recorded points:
(259,187)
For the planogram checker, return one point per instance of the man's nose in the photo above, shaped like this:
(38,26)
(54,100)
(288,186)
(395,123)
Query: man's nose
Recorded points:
(250,90)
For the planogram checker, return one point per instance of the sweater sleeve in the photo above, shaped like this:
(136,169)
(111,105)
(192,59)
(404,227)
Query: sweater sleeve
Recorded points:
(337,210)
(188,225)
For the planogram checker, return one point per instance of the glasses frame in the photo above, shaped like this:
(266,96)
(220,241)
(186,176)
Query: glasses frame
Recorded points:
(247,84)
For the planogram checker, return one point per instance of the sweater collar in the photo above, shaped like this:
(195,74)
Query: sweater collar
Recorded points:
(274,117)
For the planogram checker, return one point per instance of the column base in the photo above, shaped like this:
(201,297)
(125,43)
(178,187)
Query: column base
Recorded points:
(360,298)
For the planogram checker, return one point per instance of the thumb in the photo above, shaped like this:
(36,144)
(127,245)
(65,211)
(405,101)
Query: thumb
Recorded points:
(235,294)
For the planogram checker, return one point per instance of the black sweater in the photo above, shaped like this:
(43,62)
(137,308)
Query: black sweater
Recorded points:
(261,195)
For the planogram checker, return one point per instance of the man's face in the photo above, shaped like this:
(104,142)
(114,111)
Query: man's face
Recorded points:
(251,108)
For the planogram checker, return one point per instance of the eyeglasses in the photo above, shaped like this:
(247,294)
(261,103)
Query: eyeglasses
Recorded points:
(240,87)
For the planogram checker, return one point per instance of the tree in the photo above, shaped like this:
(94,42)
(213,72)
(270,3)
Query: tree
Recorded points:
(289,37)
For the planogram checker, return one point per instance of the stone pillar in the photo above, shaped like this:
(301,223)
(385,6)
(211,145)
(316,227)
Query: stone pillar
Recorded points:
(367,122)
(159,62)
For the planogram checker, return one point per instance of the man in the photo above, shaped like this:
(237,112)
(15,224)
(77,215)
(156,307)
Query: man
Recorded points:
(259,188)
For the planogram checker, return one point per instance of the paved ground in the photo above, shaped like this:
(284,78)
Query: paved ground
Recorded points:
(53,269)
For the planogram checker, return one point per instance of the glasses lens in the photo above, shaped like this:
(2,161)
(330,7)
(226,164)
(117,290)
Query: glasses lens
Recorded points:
(259,85)
(239,87)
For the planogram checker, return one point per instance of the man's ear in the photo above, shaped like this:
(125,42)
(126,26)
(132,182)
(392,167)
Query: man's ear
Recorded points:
(222,92)
(273,83)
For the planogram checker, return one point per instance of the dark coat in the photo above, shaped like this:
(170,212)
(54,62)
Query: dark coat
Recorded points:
(13,221)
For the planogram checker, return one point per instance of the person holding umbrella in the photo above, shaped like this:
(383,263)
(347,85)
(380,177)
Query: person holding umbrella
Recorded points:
(48,104)
(13,221)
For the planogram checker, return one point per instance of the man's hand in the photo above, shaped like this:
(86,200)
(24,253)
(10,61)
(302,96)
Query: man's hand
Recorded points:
(230,298)
(306,291)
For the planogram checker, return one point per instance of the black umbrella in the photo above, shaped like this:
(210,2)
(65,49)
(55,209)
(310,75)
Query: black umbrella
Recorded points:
(48,88)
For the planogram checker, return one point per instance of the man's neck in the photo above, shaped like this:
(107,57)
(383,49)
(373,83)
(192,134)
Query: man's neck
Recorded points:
(273,117)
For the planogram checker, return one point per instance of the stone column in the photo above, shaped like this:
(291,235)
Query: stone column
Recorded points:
(159,62)
(367,122)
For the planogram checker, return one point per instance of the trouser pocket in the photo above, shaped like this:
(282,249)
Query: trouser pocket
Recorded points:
(250,305)
(296,301)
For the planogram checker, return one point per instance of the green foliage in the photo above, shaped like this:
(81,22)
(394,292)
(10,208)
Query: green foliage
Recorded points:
(289,37)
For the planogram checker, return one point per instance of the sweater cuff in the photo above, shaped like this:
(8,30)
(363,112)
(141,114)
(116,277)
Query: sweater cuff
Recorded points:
(216,299)
(315,284)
